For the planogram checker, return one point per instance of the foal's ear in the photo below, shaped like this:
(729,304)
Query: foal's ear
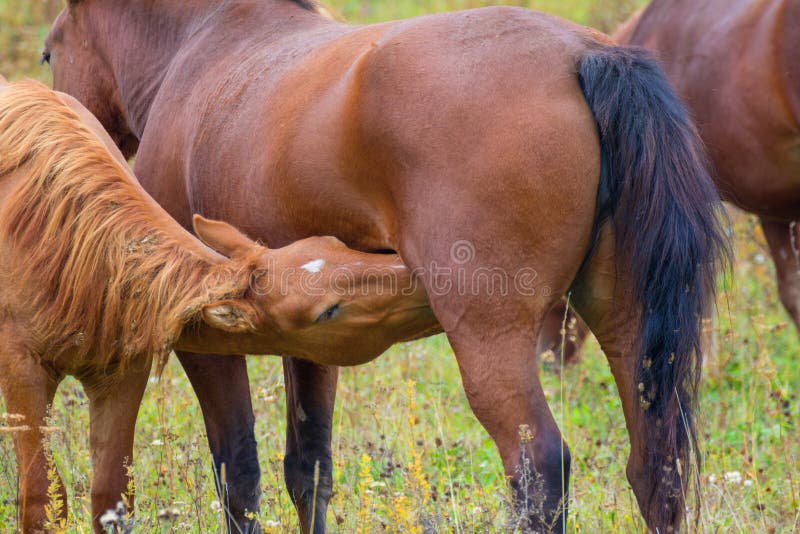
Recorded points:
(235,316)
(221,236)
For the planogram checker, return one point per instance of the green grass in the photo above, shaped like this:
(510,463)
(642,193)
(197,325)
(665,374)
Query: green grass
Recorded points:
(409,454)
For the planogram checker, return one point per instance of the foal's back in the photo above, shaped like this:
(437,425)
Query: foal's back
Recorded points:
(737,64)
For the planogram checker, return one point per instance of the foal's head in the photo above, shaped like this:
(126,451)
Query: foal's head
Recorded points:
(316,298)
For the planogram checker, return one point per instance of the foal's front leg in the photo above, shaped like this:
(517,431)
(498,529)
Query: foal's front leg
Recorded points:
(113,408)
(28,389)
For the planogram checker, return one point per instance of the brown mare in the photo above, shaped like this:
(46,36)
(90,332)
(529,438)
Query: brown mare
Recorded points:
(98,282)
(470,143)
(737,66)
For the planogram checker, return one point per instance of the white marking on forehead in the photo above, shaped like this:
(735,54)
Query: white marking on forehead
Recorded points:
(314,266)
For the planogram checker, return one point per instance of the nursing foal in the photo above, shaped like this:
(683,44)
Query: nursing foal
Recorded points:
(98,282)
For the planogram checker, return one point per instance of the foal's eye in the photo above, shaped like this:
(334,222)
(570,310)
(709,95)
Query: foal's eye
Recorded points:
(45,57)
(328,314)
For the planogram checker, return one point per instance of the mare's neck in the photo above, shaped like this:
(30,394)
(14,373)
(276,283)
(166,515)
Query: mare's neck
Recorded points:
(142,39)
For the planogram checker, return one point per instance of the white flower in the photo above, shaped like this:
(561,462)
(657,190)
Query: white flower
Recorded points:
(215,505)
(733,477)
(156,443)
(748,483)
(271,524)
(109,518)
(712,479)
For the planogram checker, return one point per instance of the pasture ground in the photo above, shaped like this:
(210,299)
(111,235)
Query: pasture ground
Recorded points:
(409,456)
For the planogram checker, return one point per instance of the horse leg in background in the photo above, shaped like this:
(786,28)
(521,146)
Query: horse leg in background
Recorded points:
(223,390)
(28,389)
(551,339)
(499,373)
(113,408)
(784,245)
(310,397)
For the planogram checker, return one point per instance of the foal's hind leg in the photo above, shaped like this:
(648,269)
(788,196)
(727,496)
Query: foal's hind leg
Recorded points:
(784,245)
(28,389)
(112,410)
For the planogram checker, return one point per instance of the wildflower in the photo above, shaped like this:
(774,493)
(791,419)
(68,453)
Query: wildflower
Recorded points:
(733,477)
(169,514)
(109,519)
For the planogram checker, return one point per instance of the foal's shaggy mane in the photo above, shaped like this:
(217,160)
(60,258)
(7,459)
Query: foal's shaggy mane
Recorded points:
(97,267)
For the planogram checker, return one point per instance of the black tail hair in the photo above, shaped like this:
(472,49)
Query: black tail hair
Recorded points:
(667,222)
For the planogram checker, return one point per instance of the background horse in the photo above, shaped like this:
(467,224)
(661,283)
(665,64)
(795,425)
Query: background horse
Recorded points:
(98,281)
(468,142)
(736,65)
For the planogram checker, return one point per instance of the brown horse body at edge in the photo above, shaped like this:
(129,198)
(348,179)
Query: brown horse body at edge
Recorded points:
(468,143)
(98,282)
(736,64)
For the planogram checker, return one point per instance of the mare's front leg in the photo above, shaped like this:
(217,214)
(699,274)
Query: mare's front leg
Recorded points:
(28,389)
(113,407)
(223,390)
(784,245)
(310,397)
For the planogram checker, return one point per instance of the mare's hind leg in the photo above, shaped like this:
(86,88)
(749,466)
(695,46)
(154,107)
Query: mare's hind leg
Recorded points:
(602,297)
(784,245)
(113,407)
(498,363)
(28,389)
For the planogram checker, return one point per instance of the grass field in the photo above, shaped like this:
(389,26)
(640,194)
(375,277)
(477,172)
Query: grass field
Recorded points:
(409,456)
